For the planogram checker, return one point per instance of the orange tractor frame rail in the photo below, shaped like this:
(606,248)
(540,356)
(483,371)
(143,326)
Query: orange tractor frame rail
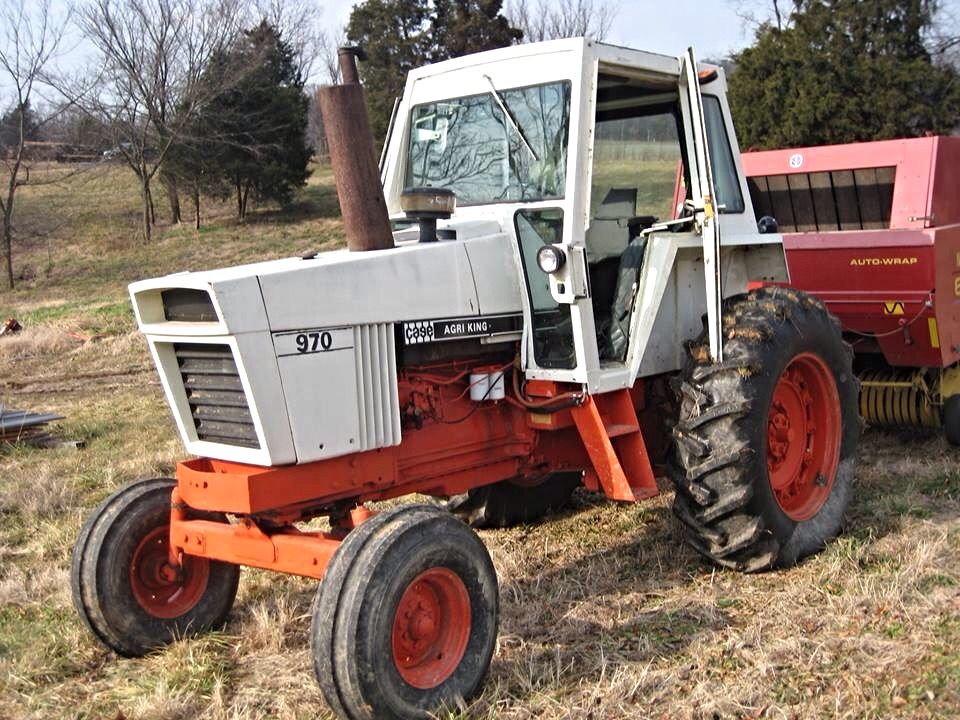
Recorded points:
(500,441)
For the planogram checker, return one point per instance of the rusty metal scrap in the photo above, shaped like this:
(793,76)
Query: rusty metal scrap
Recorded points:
(23,426)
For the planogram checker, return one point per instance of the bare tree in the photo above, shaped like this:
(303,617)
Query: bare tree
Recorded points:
(755,13)
(152,54)
(944,39)
(328,57)
(543,20)
(299,23)
(328,73)
(30,40)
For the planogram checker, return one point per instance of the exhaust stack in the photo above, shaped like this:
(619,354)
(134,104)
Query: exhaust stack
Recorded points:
(355,170)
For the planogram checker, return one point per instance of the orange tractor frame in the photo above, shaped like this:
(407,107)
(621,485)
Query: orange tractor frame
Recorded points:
(501,441)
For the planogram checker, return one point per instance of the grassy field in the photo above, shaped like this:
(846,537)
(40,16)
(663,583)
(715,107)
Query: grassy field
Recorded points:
(604,613)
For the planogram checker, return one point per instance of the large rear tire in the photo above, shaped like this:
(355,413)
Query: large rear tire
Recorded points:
(123,587)
(405,618)
(766,440)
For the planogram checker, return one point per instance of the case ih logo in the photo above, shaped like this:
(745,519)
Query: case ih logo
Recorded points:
(883,261)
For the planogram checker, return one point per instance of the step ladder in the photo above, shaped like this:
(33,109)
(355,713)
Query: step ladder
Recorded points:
(610,432)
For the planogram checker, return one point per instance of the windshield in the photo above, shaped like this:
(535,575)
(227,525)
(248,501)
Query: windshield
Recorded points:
(470,146)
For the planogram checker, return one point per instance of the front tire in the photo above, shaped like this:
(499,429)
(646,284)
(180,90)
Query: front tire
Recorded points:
(766,441)
(405,618)
(122,585)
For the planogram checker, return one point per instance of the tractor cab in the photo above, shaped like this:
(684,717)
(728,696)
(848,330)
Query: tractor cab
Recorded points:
(573,148)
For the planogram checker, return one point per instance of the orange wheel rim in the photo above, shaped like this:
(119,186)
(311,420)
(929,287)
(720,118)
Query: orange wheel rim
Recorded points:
(804,429)
(163,591)
(431,628)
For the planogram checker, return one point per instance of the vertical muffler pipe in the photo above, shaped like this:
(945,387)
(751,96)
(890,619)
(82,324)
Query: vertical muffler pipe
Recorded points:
(347,129)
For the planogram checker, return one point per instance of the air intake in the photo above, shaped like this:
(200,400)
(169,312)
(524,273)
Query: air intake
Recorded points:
(188,305)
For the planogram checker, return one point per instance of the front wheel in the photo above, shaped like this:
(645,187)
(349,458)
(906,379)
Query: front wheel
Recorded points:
(123,586)
(405,618)
(767,440)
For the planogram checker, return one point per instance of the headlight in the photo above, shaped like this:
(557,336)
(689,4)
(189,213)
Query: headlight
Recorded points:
(550,258)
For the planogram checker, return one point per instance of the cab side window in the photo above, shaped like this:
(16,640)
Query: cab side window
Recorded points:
(725,178)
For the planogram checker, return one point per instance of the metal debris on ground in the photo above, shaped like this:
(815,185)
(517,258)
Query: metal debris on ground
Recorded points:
(20,426)
(10,327)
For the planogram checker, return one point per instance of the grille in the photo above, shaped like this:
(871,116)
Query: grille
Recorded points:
(217,401)
(377,386)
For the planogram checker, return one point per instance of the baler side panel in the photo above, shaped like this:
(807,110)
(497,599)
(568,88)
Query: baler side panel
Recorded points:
(947,322)
(945,193)
(877,283)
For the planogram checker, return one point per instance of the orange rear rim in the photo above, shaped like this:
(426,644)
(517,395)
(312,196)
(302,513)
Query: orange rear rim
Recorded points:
(431,628)
(163,591)
(804,428)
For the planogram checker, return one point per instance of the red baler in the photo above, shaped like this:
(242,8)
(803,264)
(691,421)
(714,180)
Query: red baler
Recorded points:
(873,229)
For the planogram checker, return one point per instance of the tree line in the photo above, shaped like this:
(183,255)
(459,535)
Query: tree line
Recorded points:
(837,71)
(208,98)
(204,97)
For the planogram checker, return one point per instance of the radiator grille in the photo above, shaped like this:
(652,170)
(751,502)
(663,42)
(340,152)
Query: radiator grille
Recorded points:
(218,404)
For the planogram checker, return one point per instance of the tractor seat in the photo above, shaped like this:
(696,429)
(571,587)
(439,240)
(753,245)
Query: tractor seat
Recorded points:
(616,336)
(609,231)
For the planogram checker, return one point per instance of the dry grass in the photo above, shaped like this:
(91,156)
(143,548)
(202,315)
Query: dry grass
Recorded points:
(604,613)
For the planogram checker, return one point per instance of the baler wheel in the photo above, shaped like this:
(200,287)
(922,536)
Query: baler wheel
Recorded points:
(766,440)
(128,595)
(951,419)
(509,503)
(405,618)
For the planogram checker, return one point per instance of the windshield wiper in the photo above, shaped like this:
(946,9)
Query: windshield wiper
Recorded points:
(513,123)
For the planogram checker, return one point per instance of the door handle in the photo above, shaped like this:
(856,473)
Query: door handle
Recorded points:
(572,281)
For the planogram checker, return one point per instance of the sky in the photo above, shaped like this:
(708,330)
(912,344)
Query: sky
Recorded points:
(711,26)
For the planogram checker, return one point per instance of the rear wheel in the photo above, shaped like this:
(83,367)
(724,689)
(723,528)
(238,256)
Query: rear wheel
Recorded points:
(123,586)
(509,503)
(405,618)
(766,441)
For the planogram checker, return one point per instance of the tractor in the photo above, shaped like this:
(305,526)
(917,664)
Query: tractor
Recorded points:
(522,309)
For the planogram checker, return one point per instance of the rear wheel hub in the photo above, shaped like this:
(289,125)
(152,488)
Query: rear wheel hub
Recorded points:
(803,437)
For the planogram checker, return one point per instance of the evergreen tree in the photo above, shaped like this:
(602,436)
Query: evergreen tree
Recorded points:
(399,35)
(843,71)
(10,125)
(461,27)
(251,138)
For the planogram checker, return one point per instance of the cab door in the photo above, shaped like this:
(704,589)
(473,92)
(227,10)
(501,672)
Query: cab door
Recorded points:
(560,333)
(558,323)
